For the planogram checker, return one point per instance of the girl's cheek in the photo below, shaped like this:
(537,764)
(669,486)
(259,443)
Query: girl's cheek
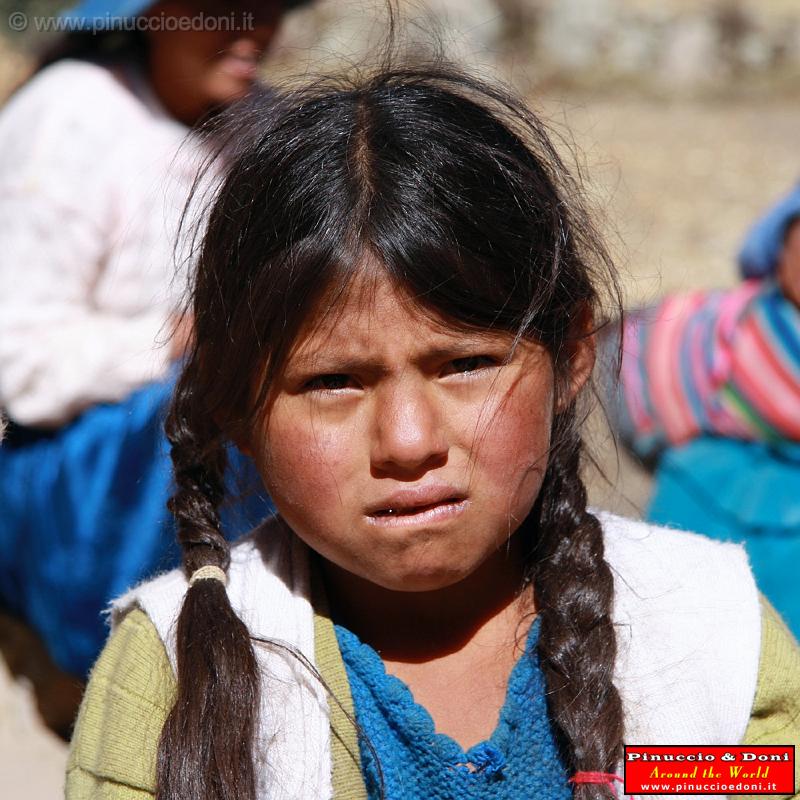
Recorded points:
(301,451)
(511,450)
(519,418)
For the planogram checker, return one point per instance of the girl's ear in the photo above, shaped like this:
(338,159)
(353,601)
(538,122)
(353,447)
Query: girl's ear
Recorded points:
(582,349)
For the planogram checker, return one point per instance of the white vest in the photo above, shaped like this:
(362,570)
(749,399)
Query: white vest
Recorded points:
(688,632)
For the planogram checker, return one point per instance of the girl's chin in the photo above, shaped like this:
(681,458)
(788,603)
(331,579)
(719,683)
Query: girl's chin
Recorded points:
(416,579)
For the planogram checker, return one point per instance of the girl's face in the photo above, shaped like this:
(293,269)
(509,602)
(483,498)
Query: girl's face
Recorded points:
(404,452)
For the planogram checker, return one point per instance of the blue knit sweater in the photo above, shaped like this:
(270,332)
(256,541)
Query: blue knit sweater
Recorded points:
(519,760)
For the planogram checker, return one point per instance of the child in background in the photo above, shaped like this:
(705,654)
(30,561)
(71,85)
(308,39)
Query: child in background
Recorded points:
(97,155)
(710,395)
(395,305)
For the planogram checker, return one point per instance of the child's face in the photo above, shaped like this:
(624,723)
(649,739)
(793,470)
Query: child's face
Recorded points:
(403,451)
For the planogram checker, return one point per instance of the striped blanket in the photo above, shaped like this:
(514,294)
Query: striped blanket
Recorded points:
(722,362)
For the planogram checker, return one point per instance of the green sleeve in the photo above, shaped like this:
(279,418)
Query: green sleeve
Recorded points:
(775,718)
(129,695)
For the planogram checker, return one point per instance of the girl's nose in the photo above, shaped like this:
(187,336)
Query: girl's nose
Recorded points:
(409,436)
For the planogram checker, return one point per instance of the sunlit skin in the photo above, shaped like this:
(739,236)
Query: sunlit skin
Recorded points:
(379,408)
(195,71)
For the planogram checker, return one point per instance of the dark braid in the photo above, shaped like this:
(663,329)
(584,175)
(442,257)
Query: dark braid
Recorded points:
(574,593)
(217,672)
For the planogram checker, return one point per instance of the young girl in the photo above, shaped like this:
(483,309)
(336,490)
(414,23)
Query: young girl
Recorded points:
(395,302)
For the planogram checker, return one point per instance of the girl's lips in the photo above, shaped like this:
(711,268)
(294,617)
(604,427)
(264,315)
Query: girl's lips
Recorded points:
(419,515)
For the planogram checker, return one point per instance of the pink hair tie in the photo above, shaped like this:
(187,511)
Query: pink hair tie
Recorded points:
(597,777)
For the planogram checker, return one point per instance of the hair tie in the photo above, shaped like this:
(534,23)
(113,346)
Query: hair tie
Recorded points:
(607,778)
(209,572)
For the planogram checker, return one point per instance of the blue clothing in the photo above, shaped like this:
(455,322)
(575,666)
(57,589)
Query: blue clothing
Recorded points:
(762,246)
(105,13)
(519,761)
(84,518)
(739,491)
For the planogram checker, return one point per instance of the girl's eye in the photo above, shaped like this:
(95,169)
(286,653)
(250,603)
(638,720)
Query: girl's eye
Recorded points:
(329,383)
(469,364)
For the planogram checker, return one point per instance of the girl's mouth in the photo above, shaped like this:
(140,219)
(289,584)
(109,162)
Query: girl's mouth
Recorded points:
(240,67)
(414,515)
(392,512)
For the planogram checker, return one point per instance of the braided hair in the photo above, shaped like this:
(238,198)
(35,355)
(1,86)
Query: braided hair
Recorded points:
(456,190)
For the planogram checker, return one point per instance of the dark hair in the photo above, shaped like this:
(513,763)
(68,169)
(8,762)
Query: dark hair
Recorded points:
(456,190)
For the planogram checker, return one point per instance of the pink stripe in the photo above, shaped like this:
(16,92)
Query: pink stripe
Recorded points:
(731,307)
(663,365)
(727,419)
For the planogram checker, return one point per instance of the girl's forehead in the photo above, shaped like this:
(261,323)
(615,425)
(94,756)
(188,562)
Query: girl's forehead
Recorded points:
(374,313)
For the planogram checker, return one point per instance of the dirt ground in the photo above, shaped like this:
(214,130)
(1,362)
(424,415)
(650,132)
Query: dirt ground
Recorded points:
(677,183)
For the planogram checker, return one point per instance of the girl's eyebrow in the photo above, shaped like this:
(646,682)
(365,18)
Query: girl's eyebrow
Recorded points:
(326,362)
(469,346)
(333,364)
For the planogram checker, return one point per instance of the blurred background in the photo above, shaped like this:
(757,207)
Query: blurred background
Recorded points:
(680,115)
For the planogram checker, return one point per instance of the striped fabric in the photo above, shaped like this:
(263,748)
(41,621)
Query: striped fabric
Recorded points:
(724,362)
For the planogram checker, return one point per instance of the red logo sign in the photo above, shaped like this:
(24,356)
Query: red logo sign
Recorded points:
(713,769)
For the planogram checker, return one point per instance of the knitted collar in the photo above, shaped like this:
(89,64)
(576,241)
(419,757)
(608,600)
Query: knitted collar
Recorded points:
(519,760)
